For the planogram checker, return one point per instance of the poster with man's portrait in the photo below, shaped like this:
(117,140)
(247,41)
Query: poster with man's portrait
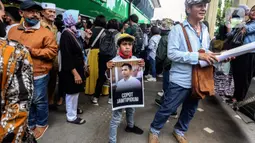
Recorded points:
(127,88)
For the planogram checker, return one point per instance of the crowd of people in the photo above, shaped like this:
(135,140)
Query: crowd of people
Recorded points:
(75,53)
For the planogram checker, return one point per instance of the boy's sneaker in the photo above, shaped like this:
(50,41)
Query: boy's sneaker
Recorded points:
(160,75)
(161,93)
(158,102)
(153,138)
(135,130)
(94,101)
(109,101)
(152,79)
(148,76)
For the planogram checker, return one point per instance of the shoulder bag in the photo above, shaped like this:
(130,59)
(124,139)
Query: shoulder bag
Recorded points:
(202,78)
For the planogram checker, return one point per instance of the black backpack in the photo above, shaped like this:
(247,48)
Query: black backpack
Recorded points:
(138,45)
(107,46)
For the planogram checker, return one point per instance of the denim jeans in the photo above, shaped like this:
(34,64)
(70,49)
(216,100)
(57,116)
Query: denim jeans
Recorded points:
(116,120)
(153,67)
(174,97)
(39,112)
(166,82)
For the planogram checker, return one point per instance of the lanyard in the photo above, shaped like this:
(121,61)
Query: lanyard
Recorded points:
(199,37)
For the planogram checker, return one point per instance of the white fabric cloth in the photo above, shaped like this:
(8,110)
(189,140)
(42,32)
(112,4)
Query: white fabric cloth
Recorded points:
(71,106)
(39,77)
(9,27)
(48,6)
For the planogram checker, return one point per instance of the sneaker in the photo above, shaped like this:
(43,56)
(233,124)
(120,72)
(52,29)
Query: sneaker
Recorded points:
(174,115)
(148,76)
(180,139)
(94,101)
(160,75)
(109,101)
(152,79)
(158,102)
(135,130)
(161,93)
(153,138)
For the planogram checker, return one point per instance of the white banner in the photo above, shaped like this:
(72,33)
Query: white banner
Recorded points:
(232,53)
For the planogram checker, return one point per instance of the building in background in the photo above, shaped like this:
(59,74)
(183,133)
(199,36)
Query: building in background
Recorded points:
(118,9)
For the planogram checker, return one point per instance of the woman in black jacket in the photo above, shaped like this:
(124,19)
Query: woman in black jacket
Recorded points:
(71,75)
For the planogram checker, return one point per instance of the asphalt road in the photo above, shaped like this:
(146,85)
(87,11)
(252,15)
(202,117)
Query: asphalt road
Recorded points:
(217,117)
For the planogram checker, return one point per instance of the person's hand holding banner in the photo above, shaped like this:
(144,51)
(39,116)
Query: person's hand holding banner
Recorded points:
(141,63)
(208,57)
(110,64)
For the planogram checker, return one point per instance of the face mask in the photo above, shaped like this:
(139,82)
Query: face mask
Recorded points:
(31,22)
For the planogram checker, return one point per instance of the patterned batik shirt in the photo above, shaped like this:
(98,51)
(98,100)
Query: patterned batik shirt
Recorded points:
(16,80)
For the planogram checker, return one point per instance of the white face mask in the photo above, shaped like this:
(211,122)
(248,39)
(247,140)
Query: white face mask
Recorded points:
(235,22)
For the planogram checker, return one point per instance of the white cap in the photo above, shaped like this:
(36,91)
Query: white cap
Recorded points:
(48,6)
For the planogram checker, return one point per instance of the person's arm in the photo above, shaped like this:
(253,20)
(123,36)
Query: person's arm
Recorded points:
(152,44)
(250,29)
(173,52)
(49,50)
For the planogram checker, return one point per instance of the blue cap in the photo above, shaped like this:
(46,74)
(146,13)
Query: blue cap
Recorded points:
(29,4)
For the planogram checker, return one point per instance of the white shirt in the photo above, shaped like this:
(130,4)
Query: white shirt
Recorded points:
(9,27)
(129,84)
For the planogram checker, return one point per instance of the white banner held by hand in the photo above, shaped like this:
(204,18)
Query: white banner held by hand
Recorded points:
(232,53)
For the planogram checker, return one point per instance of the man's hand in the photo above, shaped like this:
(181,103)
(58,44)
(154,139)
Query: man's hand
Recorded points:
(110,64)
(141,63)
(208,57)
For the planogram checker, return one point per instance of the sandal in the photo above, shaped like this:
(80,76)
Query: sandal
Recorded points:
(39,132)
(78,121)
(79,111)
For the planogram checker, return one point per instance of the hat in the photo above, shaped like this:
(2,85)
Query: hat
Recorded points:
(166,24)
(13,12)
(192,2)
(48,5)
(125,36)
(29,4)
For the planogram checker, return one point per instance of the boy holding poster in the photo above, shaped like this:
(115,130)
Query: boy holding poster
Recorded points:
(125,43)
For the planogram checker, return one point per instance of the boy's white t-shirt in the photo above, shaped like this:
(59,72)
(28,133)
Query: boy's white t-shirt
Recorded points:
(118,58)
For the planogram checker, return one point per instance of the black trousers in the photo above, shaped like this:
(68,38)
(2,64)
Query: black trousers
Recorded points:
(102,60)
(243,68)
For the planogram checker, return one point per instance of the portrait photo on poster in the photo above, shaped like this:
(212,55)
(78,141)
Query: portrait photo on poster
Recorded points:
(127,87)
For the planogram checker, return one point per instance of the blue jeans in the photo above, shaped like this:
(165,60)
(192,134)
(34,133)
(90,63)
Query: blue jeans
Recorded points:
(153,67)
(165,80)
(39,112)
(174,97)
(116,120)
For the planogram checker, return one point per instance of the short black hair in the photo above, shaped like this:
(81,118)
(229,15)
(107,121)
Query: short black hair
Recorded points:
(128,65)
(100,21)
(125,39)
(134,18)
(113,24)
(143,27)
(155,30)
(13,12)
